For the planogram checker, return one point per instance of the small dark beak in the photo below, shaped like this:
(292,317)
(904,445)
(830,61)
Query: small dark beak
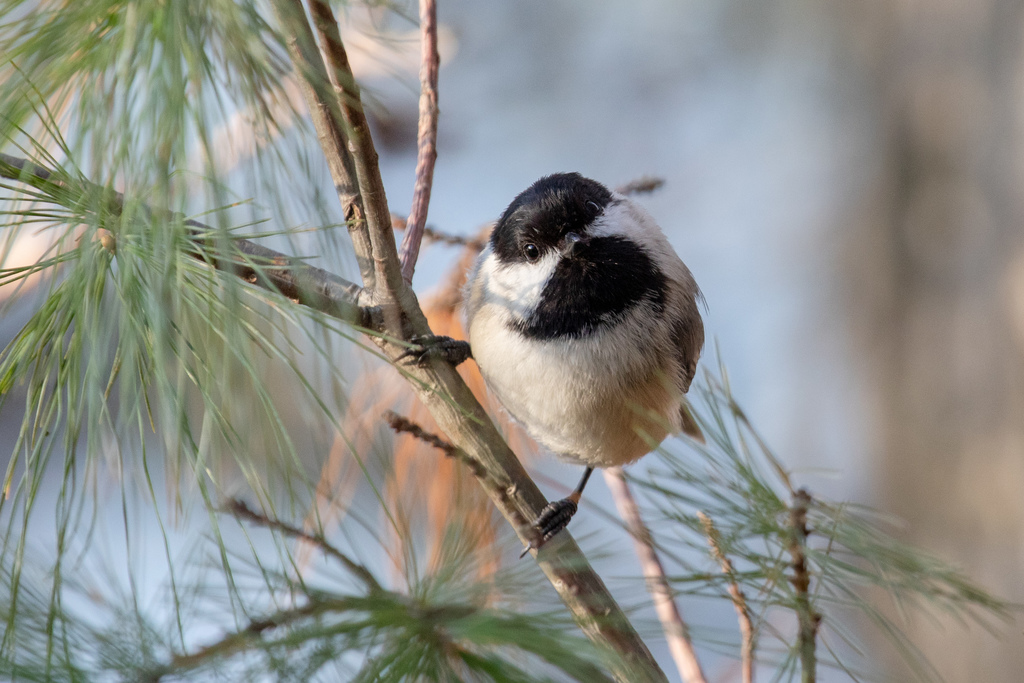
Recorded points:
(570,241)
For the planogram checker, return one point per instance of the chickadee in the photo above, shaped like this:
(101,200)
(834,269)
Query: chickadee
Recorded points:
(584,323)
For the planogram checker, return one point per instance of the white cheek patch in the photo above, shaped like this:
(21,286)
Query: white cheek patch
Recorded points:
(516,287)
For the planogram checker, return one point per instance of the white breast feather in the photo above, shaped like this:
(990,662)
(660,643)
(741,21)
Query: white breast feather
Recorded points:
(577,397)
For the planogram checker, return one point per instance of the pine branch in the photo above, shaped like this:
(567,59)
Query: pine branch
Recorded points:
(271,270)
(258,634)
(511,489)
(246,638)
(807,618)
(403,425)
(739,600)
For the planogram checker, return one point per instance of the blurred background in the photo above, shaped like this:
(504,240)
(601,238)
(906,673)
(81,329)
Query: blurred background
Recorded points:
(844,179)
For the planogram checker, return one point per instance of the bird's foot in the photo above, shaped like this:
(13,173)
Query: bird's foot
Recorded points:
(553,518)
(455,351)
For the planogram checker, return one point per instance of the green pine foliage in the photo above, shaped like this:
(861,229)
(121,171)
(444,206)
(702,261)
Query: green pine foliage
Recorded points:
(855,566)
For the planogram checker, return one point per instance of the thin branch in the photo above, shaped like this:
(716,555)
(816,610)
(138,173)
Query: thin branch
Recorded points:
(739,601)
(271,270)
(807,618)
(239,509)
(677,634)
(431,234)
(404,425)
(316,84)
(427,139)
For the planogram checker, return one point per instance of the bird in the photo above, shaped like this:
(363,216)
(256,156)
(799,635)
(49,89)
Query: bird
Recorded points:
(585,325)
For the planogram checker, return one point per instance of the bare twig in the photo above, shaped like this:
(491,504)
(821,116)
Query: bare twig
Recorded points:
(739,601)
(677,634)
(402,424)
(435,235)
(427,139)
(239,509)
(807,618)
(257,265)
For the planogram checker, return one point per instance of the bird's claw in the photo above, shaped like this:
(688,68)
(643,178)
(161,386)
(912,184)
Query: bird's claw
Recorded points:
(553,518)
(455,351)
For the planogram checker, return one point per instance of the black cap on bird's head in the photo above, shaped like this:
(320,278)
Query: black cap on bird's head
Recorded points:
(600,274)
(540,218)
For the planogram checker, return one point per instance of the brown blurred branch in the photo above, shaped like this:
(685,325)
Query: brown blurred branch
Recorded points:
(427,139)
(739,601)
(430,234)
(807,618)
(677,634)
(642,185)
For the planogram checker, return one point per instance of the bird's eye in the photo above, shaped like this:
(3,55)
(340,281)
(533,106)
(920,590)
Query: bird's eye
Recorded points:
(531,252)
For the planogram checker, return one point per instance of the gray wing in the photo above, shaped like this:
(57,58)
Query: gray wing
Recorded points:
(688,340)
